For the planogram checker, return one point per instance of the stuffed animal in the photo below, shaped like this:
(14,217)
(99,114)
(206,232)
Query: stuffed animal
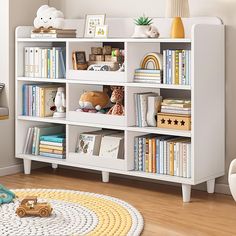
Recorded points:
(49,17)
(117,97)
(93,101)
(153,32)
(6,196)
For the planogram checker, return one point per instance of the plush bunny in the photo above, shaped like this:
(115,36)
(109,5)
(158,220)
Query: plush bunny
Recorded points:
(153,32)
(49,17)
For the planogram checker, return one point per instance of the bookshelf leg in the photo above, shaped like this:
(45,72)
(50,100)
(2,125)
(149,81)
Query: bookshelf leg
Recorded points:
(54,166)
(105,177)
(186,192)
(27,166)
(211,186)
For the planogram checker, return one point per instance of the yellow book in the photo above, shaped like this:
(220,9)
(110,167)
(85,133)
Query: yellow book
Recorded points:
(54,151)
(41,146)
(177,67)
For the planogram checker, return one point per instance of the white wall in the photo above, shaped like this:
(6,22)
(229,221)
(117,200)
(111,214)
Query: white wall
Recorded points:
(12,14)
(225,9)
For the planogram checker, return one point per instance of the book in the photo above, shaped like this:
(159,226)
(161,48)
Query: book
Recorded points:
(42,146)
(50,150)
(44,62)
(55,138)
(45,130)
(55,144)
(112,146)
(163,155)
(59,156)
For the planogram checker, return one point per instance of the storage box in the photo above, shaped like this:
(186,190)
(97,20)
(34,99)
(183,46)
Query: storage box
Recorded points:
(107,50)
(97,50)
(174,121)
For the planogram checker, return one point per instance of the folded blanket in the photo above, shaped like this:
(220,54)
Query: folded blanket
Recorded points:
(4,111)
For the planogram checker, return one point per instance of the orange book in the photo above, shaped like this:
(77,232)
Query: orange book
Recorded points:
(51,147)
(51,151)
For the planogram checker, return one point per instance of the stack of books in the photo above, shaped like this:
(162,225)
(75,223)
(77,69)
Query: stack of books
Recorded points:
(53,33)
(148,76)
(34,134)
(143,103)
(177,67)
(52,146)
(165,155)
(45,62)
(39,100)
(176,106)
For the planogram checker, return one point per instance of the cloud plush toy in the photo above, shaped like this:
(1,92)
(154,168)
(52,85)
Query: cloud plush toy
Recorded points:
(49,17)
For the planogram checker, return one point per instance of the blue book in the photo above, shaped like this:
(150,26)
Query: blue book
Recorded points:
(62,62)
(136,154)
(56,138)
(45,154)
(24,92)
(33,100)
(157,155)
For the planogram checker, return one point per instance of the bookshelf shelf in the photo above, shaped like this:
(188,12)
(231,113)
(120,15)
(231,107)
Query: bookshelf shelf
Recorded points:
(205,38)
(46,80)
(160,86)
(116,39)
(153,130)
(45,120)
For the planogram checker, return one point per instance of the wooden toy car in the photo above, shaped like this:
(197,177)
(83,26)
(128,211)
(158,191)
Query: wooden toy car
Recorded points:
(6,196)
(29,206)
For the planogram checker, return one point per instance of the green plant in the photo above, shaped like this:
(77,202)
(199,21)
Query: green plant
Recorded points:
(143,20)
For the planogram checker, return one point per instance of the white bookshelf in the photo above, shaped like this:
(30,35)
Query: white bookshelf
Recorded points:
(205,37)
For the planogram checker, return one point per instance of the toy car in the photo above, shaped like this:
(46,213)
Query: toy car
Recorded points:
(30,207)
(6,196)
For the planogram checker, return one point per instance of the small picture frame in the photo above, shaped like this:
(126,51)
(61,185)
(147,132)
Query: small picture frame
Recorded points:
(80,57)
(90,24)
(101,31)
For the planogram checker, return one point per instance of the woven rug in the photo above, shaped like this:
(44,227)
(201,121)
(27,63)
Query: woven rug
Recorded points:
(74,213)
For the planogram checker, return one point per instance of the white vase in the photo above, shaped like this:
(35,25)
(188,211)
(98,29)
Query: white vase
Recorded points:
(154,104)
(140,31)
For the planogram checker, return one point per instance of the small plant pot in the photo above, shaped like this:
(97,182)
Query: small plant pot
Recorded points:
(141,31)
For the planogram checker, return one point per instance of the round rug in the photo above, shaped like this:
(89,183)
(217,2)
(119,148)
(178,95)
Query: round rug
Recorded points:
(74,213)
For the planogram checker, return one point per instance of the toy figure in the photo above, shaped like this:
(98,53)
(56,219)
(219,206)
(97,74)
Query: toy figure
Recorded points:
(60,103)
(6,196)
(117,98)
(49,17)
(93,101)
(30,207)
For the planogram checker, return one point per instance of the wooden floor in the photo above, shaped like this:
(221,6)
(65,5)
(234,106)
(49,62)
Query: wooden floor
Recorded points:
(161,206)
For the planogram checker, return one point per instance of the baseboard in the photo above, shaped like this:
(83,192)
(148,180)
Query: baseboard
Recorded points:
(10,170)
(14,169)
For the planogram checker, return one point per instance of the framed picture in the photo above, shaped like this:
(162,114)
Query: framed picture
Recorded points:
(80,57)
(101,31)
(90,24)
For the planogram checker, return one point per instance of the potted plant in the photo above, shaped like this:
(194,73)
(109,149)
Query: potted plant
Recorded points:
(142,27)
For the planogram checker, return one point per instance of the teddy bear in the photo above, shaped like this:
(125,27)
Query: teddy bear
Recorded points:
(49,17)
(93,101)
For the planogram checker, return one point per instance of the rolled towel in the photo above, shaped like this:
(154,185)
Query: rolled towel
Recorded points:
(4,111)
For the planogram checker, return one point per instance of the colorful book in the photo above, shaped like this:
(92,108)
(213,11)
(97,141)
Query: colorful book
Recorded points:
(52,155)
(55,138)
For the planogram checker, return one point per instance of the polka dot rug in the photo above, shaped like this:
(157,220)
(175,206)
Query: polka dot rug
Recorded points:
(74,213)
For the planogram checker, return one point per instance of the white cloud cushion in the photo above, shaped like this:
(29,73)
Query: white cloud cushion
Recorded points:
(49,17)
